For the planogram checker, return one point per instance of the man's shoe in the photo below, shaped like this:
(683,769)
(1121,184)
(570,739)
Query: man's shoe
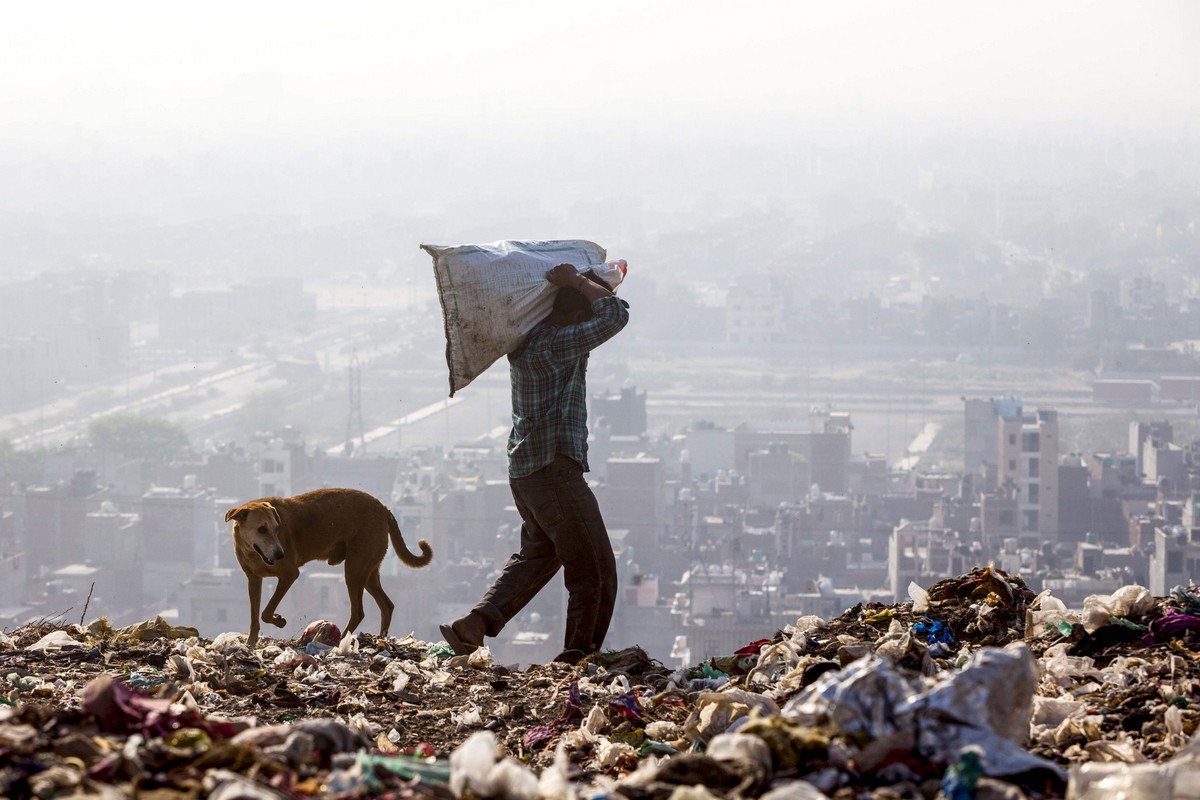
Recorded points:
(569,657)
(459,639)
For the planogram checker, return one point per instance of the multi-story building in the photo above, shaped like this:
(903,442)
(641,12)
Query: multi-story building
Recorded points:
(634,499)
(754,311)
(981,429)
(921,554)
(114,540)
(53,521)
(180,532)
(1176,557)
(1029,463)
(625,411)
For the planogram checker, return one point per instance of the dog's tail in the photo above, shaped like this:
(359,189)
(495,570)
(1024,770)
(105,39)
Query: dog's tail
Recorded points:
(411,559)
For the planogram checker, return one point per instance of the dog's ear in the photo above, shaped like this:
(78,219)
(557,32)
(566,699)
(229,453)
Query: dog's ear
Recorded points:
(238,513)
(274,514)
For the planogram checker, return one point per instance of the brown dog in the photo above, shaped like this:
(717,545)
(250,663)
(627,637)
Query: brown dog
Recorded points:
(274,536)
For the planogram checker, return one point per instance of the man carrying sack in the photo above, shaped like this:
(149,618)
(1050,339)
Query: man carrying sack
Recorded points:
(547,458)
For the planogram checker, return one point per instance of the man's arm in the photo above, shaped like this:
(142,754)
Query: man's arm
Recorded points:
(610,314)
(567,276)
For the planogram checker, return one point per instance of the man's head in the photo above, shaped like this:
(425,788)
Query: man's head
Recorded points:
(570,306)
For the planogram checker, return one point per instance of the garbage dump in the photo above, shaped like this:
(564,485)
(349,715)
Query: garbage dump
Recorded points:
(975,687)
(492,295)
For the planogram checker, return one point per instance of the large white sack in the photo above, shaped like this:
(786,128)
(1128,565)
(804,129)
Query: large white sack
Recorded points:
(492,295)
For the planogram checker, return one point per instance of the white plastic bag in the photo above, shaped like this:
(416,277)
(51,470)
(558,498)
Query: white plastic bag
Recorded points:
(492,295)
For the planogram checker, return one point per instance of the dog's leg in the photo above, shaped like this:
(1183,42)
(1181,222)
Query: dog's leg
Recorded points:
(354,586)
(386,606)
(254,585)
(285,582)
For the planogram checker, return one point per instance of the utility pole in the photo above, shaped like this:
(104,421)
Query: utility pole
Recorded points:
(354,419)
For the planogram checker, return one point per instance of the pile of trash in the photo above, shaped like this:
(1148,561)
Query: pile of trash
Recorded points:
(973,688)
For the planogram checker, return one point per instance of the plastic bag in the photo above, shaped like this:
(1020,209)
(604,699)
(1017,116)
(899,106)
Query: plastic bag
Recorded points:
(1128,601)
(492,295)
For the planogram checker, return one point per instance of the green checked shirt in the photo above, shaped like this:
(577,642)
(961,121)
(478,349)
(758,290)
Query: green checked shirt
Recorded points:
(549,393)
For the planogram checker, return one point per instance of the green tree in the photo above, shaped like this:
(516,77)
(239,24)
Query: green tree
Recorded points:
(22,466)
(134,436)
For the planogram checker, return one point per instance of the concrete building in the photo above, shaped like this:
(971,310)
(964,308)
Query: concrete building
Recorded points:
(215,602)
(635,499)
(981,430)
(829,445)
(1118,391)
(754,311)
(1176,557)
(228,472)
(1179,388)
(1029,463)
(1159,461)
(1075,501)
(113,539)
(199,319)
(625,411)
(710,449)
(1112,474)
(918,553)
(821,448)
(53,521)
(179,535)
(281,464)
(466,519)
(776,475)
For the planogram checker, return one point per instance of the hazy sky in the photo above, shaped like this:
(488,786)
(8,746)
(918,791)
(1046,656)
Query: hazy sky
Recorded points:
(78,78)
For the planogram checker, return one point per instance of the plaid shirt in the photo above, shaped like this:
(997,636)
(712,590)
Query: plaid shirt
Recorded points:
(549,395)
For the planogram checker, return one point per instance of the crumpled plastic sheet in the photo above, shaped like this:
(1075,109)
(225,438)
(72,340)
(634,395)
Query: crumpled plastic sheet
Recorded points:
(476,765)
(323,632)
(1188,598)
(157,628)
(714,712)
(1046,612)
(1177,778)
(933,631)
(54,642)
(1128,601)
(988,703)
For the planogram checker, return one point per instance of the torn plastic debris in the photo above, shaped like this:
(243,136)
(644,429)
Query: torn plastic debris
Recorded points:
(54,642)
(714,712)
(373,767)
(987,703)
(962,777)
(1128,601)
(1188,598)
(933,631)
(157,628)
(1177,778)
(322,631)
(1046,613)
(474,765)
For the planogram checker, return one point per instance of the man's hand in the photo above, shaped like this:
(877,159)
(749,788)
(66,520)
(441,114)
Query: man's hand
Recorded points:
(564,275)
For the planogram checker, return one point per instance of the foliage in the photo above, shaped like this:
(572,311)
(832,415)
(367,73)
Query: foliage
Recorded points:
(22,466)
(135,436)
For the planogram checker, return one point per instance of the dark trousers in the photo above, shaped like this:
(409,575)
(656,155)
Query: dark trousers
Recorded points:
(561,527)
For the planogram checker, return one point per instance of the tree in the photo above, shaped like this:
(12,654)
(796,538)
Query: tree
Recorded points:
(22,466)
(134,436)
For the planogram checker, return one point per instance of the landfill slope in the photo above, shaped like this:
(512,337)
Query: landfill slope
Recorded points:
(975,687)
